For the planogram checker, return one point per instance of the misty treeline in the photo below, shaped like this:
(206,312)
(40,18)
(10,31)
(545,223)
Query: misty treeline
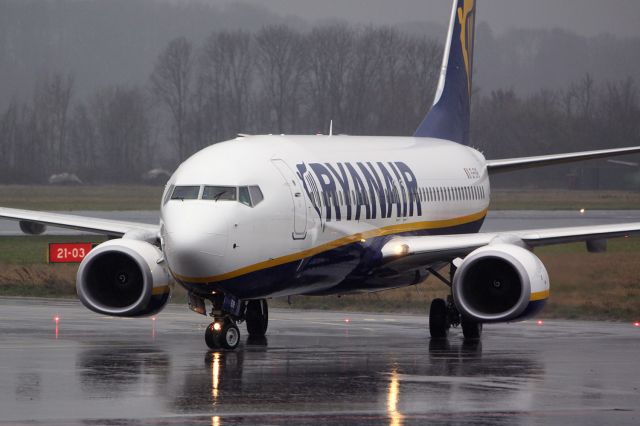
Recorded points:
(369,81)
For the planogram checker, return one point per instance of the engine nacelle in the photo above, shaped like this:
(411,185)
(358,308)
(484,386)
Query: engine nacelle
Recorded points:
(123,278)
(500,282)
(32,228)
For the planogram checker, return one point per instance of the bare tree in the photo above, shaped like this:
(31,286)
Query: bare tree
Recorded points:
(9,133)
(330,60)
(122,132)
(171,82)
(51,103)
(361,83)
(85,158)
(282,62)
(420,71)
(225,83)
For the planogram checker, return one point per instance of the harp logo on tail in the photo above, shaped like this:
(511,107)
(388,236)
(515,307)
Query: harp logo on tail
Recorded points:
(466,18)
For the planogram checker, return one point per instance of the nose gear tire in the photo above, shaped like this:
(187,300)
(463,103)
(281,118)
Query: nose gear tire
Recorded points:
(227,337)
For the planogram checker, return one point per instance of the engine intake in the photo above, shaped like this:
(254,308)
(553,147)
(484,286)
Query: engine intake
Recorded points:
(500,282)
(123,278)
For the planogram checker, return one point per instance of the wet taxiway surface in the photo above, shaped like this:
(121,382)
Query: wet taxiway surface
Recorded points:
(314,367)
(500,220)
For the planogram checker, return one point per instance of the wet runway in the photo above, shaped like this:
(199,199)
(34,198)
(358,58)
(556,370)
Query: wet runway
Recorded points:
(496,220)
(314,367)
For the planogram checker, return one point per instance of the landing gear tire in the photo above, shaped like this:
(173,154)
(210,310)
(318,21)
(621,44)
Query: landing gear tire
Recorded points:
(229,336)
(257,317)
(438,319)
(471,330)
(211,336)
(222,335)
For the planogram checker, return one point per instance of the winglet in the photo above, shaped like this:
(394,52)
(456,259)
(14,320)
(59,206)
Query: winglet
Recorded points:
(450,114)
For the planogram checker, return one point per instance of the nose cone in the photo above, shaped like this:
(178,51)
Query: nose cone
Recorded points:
(195,241)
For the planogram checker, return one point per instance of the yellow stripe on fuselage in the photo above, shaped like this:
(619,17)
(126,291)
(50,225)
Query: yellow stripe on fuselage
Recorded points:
(540,295)
(387,230)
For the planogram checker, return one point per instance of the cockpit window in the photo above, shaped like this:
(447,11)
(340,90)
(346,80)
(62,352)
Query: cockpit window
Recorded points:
(185,193)
(250,195)
(244,197)
(218,193)
(167,195)
(256,194)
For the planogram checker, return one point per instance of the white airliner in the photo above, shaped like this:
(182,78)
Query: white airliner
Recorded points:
(267,216)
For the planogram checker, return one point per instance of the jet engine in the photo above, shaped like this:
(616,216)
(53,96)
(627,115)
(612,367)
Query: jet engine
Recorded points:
(500,282)
(123,278)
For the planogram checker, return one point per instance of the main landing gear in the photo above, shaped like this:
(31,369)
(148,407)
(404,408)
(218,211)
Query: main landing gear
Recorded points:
(443,315)
(223,332)
(256,315)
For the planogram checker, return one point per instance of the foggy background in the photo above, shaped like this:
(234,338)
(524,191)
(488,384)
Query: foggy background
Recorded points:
(87,86)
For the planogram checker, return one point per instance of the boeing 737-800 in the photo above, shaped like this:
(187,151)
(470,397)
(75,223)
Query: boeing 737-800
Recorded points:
(267,216)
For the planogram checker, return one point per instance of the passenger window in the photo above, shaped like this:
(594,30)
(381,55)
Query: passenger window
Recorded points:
(256,195)
(218,193)
(185,193)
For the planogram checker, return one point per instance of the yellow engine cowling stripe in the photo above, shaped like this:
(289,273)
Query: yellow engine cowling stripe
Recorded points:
(540,295)
(160,290)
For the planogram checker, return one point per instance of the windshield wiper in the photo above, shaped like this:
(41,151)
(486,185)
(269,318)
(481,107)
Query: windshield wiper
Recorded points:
(217,197)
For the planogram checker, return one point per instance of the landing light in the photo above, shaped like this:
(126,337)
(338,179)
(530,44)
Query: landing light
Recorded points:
(402,249)
(582,211)
(217,326)
(539,322)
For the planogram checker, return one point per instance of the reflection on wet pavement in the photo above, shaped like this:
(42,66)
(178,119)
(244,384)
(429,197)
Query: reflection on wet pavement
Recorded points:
(312,368)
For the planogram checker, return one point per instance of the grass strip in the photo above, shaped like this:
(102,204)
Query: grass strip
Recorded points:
(604,286)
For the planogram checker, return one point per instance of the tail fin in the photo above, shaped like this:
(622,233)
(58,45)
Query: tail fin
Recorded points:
(450,113)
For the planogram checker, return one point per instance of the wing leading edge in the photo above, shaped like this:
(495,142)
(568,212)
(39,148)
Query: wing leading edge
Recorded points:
(115,228)
(413,251)
(511,164)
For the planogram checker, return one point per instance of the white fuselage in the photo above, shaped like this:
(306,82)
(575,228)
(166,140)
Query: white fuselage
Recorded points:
(329,203)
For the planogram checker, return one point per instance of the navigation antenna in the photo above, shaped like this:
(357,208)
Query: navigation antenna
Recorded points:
(331,128)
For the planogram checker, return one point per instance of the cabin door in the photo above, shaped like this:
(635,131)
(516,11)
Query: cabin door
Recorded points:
(297,196)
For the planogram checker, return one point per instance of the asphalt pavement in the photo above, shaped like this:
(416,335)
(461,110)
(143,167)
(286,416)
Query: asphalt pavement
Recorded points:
(312,368)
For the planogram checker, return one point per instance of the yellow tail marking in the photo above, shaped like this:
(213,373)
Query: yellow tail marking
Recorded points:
(467,18)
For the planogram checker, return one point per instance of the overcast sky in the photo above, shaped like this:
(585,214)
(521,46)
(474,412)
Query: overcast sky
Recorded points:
(585,17)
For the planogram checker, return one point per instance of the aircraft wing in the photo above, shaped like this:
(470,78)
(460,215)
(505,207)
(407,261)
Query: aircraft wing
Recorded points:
(115,228)
(407,252)
(511,164)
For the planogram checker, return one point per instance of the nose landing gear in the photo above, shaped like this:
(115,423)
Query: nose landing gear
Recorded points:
(223,331)
(222,334)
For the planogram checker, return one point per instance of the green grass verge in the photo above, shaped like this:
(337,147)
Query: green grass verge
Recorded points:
(584,285)
(553,199)
(81,197)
